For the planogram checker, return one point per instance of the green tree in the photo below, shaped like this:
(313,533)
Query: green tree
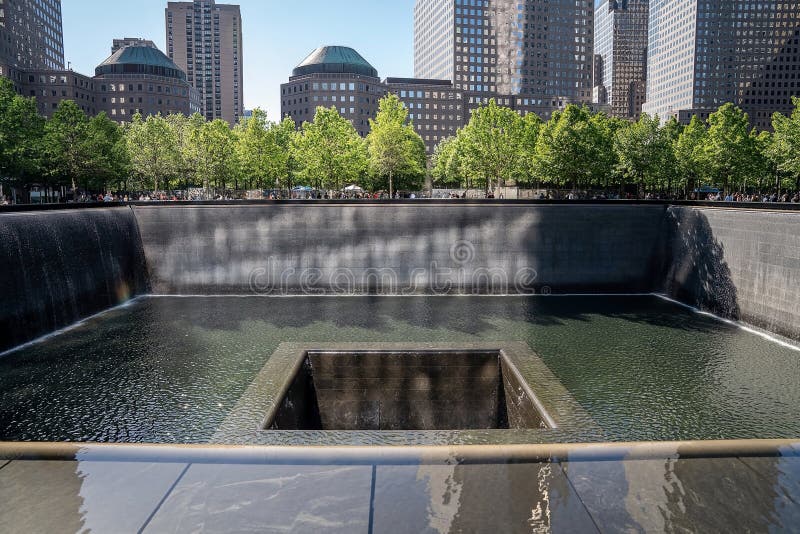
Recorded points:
(21,134)
(729,148)
(762,167)
(785,148)
(67,146)
(108,156)
(284,164)
(329,151)
(446,169)
(603,133)
(212,146)
(264,150)
(492,144)
(394,148)
(254,148)
(182,128)
(532,126)
(645,152)
(153,150)
(575,149)
(689,154)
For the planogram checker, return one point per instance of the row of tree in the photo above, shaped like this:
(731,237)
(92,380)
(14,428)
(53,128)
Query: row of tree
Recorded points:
(70,151)
(66,149)
(574,149)
(580,150)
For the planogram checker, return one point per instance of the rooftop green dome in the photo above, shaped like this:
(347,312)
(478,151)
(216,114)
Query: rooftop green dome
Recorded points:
(335,60)
(140,60)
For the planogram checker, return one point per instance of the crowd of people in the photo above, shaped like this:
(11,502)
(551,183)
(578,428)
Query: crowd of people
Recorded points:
(785,198)
(714,196)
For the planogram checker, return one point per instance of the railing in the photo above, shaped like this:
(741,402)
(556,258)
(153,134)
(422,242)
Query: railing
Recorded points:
(399,455)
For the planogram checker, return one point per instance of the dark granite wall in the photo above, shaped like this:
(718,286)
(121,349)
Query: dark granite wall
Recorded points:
(402,248)
(740,264)
(57,267)
(407,390)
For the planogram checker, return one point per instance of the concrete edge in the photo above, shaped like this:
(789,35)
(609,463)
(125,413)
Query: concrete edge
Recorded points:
(399,455)
(257,407)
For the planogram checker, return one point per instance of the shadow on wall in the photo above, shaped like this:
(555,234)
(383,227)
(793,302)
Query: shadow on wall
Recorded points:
(697,273)
(401,249)
(597,249)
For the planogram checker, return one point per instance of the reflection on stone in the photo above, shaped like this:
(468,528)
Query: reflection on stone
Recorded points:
(477,498)
(693,495)
(56,496)
(258,498)
(445,493)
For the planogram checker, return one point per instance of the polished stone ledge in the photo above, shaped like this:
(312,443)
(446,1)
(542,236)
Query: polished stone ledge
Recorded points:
(399,455)
(658,494)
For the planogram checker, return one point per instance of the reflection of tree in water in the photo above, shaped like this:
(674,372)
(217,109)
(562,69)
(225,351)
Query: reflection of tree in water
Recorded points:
(698,273)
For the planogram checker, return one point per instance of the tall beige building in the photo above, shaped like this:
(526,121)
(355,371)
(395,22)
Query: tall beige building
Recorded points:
(205,40)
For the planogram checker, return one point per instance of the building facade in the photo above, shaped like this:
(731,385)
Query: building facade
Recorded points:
(139,78)
(205,40)
(50,87)
(333,76)
(131,41)
(31,35)
(620,48)
(337,76)
(134,79)
(435,107)
(538,53)
(703,54)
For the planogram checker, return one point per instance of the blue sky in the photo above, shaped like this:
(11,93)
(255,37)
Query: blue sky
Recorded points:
(278,34)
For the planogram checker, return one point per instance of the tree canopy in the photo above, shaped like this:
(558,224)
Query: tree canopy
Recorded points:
(329,152)
(394,148)
(575,148)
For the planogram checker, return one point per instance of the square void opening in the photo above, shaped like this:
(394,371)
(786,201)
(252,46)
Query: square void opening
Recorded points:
(408,390)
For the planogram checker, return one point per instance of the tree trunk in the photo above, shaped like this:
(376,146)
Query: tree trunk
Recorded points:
(391,184)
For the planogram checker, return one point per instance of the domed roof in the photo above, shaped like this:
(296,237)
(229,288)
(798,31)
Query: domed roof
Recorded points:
(336,60)
(140,59)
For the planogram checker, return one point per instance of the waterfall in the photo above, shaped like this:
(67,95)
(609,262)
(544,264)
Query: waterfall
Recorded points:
(57,267)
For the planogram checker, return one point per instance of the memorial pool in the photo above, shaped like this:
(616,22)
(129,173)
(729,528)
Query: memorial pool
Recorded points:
(171,369)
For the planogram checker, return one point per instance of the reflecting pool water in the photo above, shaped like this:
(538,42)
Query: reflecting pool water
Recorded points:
(171,369)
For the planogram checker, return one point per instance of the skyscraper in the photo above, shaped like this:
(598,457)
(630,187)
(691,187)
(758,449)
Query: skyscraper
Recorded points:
(31,34)
(205,40)
(620,47)
(434,42)
(702,55)
(537,54)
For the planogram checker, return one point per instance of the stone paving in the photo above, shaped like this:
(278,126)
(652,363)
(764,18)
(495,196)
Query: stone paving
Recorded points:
(748,494)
